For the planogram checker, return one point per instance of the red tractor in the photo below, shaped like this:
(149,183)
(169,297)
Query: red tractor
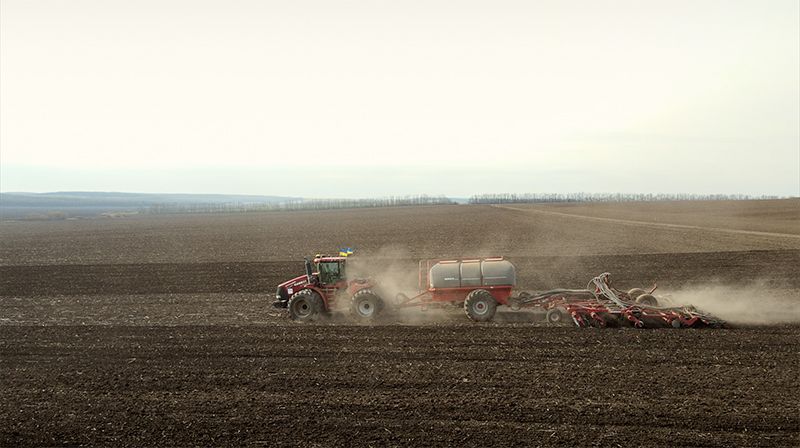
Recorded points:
(324,287)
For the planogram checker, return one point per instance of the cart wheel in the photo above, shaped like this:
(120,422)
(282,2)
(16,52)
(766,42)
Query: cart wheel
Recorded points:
(480,306)
(305,306)
(556,316)
(636,292)
(647,300)
(366,305)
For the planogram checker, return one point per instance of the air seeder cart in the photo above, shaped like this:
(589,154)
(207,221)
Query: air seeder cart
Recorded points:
(480,284)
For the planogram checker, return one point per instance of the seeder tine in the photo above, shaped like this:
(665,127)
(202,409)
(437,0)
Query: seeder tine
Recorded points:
(598,320)
(628,315)
(578,319)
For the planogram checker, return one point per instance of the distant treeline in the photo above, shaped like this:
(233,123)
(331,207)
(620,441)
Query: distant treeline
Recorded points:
(530,198)
(298,204)
(78,205)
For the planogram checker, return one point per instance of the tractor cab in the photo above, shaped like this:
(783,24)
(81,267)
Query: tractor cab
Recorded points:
(330,270)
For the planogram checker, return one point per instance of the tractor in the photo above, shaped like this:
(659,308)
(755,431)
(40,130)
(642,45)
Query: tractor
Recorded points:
(324,287)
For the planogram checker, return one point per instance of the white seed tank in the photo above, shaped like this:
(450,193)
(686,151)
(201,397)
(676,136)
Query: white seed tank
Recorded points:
(459,274)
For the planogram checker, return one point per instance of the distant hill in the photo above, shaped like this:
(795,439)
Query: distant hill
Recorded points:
(66,204)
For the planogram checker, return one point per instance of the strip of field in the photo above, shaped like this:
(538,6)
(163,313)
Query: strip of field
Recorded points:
(780,216)
(778,268)
(654,225)
(404,232)
(456,385)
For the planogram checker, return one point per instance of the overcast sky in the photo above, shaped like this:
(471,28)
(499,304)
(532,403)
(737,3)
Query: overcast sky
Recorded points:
(372,98)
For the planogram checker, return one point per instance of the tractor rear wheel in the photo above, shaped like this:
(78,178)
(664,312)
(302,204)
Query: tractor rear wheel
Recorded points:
(305,305)
(366,305)
(480,306)
(556,316)
(647,300)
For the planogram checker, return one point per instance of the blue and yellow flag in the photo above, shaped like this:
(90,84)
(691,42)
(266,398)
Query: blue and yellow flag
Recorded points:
(345,251)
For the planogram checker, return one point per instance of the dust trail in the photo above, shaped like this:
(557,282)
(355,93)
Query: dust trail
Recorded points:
(396,271)
(753,304)
(391,266)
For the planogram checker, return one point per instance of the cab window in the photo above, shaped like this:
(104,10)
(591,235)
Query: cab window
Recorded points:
(330,271)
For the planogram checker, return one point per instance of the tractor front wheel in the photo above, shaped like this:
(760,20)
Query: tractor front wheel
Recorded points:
(480,306)
(305,305)
(366,305)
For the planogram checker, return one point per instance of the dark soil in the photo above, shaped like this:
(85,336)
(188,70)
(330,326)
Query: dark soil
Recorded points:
(157,331)
(455,384)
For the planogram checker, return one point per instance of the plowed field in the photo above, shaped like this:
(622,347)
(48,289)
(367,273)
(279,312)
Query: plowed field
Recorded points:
(151,331)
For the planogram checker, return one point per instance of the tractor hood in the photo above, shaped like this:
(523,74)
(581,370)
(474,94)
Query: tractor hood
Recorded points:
(287,288)
(294,283)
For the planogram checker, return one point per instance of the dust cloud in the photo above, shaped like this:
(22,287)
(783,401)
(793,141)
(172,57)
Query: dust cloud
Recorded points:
(752,304)
(396,270)
(392,267)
